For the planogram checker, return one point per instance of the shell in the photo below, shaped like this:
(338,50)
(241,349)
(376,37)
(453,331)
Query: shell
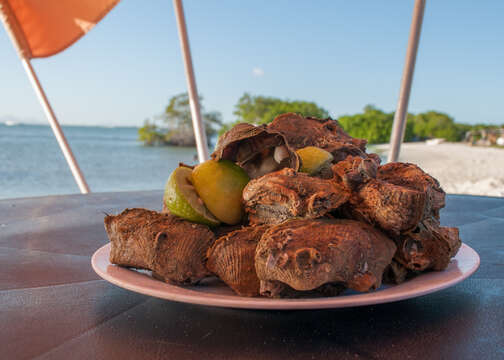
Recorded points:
(326,134)
(429,246)
(180,252)
(263,149)
(254,148)
(395,196)
(287,194)
(174,249)
(231,258)
(306,254)
(411,176)
(355,171)
(277,289)
(395,273)
(394,209)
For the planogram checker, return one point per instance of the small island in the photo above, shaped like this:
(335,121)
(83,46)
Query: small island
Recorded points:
(176,128)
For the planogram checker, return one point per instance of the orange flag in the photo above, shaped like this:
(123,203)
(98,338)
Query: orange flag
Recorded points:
(43,28)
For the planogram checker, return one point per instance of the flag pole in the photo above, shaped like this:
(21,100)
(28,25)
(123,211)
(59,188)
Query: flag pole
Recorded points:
(56,128)
(401,113)
(19,41)
(198,126)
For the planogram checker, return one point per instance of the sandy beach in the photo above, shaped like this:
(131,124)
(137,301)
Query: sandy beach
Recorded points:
(460,168)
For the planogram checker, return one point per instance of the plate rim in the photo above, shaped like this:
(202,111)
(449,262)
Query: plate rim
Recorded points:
(187,295)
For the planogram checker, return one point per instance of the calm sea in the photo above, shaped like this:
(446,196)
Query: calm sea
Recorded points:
(31,163)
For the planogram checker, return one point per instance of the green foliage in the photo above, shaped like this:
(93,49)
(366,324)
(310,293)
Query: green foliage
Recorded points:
(433,124)
(149,134)
(177,115)
(483,126)
(177,119)
(263,109)
(373,125)
(376,126)
(463,128)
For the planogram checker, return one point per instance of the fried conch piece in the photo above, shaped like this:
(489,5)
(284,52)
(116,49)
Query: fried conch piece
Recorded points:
(405,202)
(277,289)
(174,249)
(286,194)
(327,134)
(429,246)
(412,177)
(394,208)
(305,254)
(231,258)
(257,149)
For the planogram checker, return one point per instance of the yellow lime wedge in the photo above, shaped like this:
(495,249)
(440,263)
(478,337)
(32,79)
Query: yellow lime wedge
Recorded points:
(220,185)
(313,159)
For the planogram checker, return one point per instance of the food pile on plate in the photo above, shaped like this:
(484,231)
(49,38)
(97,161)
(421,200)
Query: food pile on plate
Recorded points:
(293,208)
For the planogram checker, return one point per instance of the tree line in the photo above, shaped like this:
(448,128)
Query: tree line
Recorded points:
(372,123)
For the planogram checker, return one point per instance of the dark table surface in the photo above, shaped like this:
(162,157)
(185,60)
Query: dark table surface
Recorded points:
(53,306)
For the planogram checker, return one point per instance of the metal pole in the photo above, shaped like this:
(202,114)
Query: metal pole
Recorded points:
(19,41)
(198,126)
(398,128)
(55,126)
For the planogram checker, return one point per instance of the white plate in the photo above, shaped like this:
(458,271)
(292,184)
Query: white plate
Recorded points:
(213,292)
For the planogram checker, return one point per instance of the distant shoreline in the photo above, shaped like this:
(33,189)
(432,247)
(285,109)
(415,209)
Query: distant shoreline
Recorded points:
(70,125)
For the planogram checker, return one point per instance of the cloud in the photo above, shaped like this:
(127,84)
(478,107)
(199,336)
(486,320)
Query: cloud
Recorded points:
(257,72)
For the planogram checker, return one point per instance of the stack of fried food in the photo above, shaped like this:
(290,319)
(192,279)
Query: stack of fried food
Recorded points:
(309,213)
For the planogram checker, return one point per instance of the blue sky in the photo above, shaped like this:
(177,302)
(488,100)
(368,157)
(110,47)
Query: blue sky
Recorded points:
(340,54)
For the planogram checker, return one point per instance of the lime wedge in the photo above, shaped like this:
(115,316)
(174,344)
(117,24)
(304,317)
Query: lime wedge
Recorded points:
(181,198)
(220,185)
(313,159)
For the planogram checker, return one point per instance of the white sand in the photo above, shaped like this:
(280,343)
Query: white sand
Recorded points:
(460,168)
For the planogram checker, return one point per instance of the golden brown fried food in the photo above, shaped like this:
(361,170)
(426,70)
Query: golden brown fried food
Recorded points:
(404,201)
(306,254)
(428,246)
(287,194)
(393,208)
(174,249)
(292,243)
(412,177)
(231,258)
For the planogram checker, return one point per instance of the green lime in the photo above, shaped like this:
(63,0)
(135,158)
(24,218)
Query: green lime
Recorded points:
(181,198)
(220,185)
(313,159)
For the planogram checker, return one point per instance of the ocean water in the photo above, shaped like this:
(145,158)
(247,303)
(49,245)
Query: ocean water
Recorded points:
(32,164)
(112,159)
